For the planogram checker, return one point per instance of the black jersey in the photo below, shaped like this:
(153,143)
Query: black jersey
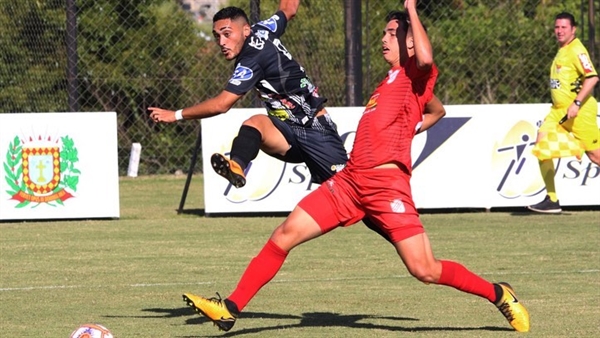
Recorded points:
(265,64)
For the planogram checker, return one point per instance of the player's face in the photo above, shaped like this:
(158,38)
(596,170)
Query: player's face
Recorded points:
(563,31)
(389,44)
(230,36)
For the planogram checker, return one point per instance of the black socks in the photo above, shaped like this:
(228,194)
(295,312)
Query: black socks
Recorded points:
(245,146)
(499,292)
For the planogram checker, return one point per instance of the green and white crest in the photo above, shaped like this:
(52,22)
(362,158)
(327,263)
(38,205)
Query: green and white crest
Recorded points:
(41,171)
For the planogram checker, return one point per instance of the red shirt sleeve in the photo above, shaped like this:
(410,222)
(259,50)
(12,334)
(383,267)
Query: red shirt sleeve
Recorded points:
(423,81)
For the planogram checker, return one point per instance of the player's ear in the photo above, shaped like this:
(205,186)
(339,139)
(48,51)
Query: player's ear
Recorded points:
(246,30)
(410,42)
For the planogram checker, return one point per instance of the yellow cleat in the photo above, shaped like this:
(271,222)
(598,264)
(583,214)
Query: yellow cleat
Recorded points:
(229,169)
(222,312)
(512,309)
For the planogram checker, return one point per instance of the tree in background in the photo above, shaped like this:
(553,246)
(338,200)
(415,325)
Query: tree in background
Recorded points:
(134,54)
(33,57)
(488,51)
(138,53)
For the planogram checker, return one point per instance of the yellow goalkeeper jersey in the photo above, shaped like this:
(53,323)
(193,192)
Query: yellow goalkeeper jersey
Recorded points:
(571,65)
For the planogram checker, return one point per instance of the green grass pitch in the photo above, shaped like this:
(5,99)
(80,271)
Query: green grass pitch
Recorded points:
(129,274)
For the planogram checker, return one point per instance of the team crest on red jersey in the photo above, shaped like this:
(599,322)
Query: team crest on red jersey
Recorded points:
(372,104)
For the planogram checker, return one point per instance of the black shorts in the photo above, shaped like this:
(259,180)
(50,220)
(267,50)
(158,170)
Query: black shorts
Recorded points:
(318,145)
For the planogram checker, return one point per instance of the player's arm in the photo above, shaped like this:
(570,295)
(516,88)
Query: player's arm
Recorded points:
(289,8)
(584,66)
(586,89)
(434,111)
(422,45)
(214,106)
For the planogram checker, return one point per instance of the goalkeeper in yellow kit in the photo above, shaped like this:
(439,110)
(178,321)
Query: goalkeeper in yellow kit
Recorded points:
(572,80)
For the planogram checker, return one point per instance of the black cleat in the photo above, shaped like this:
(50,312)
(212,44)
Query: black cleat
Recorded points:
(229,169)
(546,206)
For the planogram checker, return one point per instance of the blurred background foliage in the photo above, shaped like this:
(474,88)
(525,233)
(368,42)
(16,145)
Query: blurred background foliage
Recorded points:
(133,54)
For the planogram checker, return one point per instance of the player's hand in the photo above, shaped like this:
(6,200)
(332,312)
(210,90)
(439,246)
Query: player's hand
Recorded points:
(572,111)
(410,5)
(161,115)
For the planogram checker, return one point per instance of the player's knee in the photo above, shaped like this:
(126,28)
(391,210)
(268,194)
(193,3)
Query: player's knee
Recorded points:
(288,235)
(283,231)
(256,121)
(425,273)
(594,156)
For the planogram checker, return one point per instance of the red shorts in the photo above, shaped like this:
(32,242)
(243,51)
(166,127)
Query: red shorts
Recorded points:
(381,194)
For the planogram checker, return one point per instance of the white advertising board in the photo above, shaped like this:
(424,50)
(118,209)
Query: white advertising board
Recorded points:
(477,156)
(59,166)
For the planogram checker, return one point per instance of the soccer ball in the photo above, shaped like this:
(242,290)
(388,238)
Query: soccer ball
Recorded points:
(91,331)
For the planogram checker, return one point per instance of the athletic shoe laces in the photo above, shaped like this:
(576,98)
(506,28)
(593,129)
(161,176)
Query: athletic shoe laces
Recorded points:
(218,301)
(505,309)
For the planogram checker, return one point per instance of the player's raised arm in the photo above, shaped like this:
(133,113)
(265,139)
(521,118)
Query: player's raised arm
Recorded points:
(289,8)
(422,45)
(214,106)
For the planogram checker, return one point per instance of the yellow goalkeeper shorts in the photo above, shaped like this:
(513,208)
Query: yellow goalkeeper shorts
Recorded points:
(584,127)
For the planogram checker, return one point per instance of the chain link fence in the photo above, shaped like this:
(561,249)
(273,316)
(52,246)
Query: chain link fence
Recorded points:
(127,55)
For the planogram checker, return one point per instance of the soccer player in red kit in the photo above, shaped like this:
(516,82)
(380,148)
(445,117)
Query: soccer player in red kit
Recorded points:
(375,183)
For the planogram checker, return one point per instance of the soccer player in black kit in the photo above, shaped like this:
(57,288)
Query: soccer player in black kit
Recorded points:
(297,127)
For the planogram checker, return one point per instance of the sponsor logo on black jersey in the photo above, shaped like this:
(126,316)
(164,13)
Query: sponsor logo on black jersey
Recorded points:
(240,74)
(270,23)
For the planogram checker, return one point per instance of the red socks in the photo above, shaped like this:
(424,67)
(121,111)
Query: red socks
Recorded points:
(458,277)
(259,272)
(269,260)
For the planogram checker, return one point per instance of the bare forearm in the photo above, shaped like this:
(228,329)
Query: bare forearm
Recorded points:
(423,49)
(208,108)
(434,111)
(586,88)
(428,121)
(217,105)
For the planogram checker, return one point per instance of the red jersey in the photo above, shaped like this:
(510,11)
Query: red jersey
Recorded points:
(423,82)
(391,118)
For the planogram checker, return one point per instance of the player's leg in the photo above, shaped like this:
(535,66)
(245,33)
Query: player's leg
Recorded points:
(594,156)
(585,129)
(318,213)
(550,203)
(296,229)
(400,220)
(311,218)
(321,147)
(371,224)
(390,207)
(418,257)
(256,133)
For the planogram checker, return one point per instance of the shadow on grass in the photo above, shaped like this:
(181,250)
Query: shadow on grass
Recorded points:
(311,319)
(527,213)
(196,212)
